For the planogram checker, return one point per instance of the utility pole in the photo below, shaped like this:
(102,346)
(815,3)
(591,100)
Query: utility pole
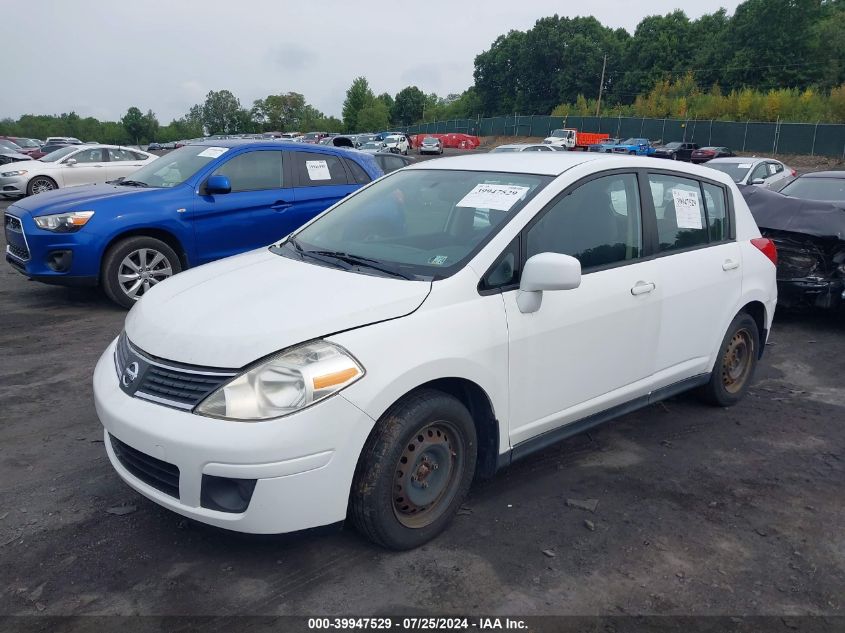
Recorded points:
(601,85)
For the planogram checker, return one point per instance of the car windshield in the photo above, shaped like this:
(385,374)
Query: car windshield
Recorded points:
(504,148)
(176,167)
(26,142)
(393,139)
(671,145)
(630,141)
(737,171)
(9,144)
(558,133)
(827,189)
(430,141)
(372,146)
(52,157)
(418,223)
(312,135)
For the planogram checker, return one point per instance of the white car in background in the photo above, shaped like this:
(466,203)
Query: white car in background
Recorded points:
(442,322)
(762,172)
(71,166)
(397,144)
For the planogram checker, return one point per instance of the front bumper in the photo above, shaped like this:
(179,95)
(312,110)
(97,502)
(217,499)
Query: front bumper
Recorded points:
(303,463)
(12,185)
(70,259)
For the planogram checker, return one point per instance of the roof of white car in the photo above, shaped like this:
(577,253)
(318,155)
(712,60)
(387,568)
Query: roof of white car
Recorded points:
(555,163)
(546,163)
(523,145)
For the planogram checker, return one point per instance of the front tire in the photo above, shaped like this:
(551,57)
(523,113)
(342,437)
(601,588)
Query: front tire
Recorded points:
(414,471)
(40,184)
(733,372)
(134,265)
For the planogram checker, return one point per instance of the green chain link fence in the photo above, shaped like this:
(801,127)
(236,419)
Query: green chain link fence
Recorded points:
(824,139)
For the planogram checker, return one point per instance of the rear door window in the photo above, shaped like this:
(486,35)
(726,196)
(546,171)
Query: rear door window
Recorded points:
(681,218)
(316,170)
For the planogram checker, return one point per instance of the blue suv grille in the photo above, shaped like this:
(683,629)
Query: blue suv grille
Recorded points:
(15,239)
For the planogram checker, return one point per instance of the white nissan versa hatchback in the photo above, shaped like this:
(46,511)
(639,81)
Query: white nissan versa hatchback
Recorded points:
(436,325)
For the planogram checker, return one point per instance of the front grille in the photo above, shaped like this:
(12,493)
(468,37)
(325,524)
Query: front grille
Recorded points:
(15,239)
(166,382)
(189,389)
(153,472)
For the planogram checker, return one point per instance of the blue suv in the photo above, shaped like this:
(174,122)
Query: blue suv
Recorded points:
(196,204)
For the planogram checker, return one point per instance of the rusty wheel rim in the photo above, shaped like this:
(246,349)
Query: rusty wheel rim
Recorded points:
(737,361)
(427,474)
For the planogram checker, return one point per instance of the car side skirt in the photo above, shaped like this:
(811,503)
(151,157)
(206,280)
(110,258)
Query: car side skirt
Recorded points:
(543,441)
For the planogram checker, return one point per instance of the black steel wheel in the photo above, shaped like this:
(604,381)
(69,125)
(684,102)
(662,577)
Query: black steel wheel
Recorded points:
(733,371)
(414,471)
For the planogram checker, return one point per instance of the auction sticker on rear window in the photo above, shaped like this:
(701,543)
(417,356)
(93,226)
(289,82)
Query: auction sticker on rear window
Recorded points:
(499,197)
(687,209)
(318,170)
(213,152)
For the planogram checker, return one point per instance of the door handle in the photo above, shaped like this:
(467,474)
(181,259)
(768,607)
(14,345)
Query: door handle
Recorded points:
(642,287)
(730,264)
(281,205)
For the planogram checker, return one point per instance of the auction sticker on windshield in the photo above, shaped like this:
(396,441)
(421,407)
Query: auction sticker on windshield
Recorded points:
(318,170)
(213,152)
(687,209)
(498,197)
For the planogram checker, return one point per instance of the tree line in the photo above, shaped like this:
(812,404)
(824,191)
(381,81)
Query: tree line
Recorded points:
(772,59)
(764,47)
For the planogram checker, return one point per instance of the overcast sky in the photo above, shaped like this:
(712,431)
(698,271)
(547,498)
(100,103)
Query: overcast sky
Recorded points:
(98,57)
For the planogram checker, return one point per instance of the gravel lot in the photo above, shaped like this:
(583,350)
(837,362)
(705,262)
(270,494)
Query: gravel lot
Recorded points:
(700,510)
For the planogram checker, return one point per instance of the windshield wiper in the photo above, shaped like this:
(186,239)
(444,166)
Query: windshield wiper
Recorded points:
(133,183)
(358,260)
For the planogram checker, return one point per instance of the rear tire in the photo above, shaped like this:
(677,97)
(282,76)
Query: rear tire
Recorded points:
(414,471)
(632,153)
(733,372)
(134,265)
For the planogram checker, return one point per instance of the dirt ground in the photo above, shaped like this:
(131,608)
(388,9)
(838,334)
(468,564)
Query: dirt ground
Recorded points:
(700,511)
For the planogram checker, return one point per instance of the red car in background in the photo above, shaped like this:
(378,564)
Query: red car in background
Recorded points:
(703,154)
(314,137)
(27,146)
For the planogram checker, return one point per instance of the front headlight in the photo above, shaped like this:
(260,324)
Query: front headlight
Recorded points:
(9,174)
(292,380)
(64,222)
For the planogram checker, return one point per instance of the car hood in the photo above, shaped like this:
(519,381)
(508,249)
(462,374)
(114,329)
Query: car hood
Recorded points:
(552,139)
(232,312)
(85,197)
(13,154)
(775,211)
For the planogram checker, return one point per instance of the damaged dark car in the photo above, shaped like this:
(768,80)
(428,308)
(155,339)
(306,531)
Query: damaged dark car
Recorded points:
(810,239)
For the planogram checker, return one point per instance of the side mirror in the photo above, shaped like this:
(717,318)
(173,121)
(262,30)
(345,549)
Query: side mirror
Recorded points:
(219,184)
(70,162)
(758,181)
(546,271)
